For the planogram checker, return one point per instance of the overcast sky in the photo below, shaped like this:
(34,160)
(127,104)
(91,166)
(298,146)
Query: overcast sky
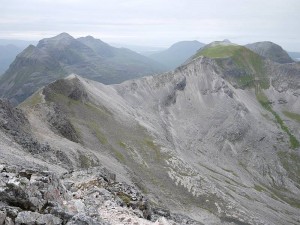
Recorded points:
(154,22)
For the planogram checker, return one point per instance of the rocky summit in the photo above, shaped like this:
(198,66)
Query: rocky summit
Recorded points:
(214,142)
(271,51)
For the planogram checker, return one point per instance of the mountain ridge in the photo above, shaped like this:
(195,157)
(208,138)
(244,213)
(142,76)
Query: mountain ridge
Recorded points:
(72,56)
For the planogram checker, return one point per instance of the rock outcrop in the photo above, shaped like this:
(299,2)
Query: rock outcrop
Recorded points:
(14,123)
(93,196)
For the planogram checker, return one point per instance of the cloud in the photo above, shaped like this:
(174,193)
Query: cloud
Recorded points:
(157,22)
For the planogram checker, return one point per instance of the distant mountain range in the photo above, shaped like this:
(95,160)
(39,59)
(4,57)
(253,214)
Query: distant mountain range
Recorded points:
(7,55)
(18,43)
(177,54)
(61,55)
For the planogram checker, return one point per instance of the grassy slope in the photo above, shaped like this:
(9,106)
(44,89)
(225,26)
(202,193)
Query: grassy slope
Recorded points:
(264,101)
(293,116)
(247,62)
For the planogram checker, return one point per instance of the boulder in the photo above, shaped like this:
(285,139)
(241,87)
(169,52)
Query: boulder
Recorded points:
(34,218)
(2,216)
(82,219)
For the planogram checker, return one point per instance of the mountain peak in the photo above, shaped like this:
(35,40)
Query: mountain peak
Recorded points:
(217,49)
(224,43)
(60,40)
(63,35)
(270,50)
(31,52)
(90,39)
(72,76)
(227,41)
(186,44)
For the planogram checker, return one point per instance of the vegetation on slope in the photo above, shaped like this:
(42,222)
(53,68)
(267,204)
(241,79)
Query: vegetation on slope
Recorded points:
(293,116)
(33,100)
(264,101)
(244,67)
(291,163)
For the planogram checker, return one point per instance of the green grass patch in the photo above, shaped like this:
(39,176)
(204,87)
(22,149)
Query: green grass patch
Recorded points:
(219,51)
(60,98)
(124,197)
(282,195)
(85,162)
(97,109)
(248,63)
(246,81)
(119,156)
(264,101)
(76,128)
(149,143)
(259,188)
(96,130)
(293,116)
(33,100)
(291,163)
(122,144)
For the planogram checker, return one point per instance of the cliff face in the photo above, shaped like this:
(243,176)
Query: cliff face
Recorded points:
(195,140)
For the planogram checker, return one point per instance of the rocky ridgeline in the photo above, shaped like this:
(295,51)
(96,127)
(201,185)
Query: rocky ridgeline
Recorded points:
(14,123)
(93,196)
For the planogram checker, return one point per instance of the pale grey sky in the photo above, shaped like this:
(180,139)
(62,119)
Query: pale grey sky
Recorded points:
(154,22)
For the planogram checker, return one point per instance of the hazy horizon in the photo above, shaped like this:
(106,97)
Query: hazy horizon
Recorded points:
(156,23)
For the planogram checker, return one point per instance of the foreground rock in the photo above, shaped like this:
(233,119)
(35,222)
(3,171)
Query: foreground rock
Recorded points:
(93,196)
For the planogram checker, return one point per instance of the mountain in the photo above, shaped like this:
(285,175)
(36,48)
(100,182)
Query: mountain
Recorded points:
(241,66)
(31,69)
(7,56)
(177,54)
(216,140)
(123,60)
(271,51)
(295,55)
(18,43)
(61,55)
